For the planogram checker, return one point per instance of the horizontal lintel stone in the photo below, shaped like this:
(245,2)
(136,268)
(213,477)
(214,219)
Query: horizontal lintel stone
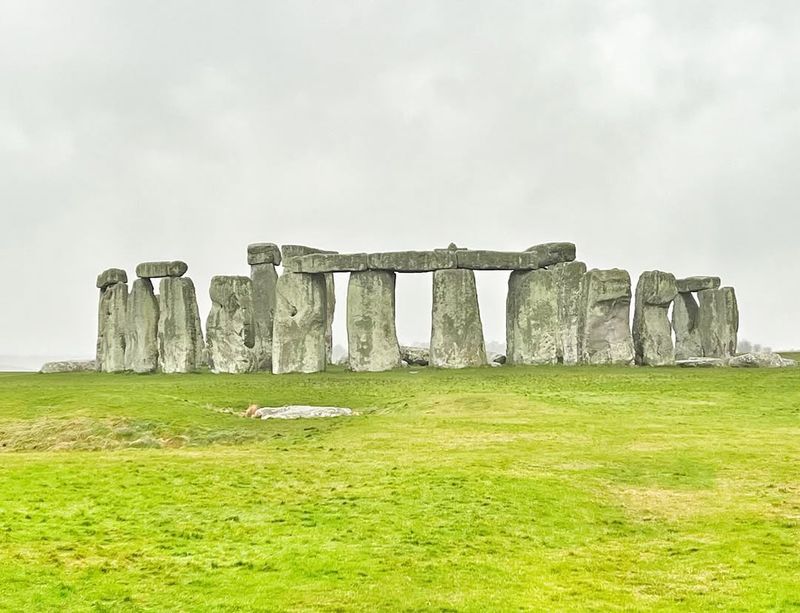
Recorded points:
(153,270)
(316,263)
(413,261)
(263,253)
(697,284)
(111,277)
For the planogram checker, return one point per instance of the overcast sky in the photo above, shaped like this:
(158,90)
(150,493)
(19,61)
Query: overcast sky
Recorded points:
(654,135)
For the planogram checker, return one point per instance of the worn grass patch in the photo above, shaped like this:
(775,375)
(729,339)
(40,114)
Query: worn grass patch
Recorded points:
(489,489)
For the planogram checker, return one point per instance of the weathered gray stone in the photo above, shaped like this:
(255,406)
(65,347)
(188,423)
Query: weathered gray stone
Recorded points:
(371,332)
(112,327)
(605,336)
(301,412)
(180,337)
(153,270)
(298,341)
(141,352)
(760,360)
(568,277)
(698,362)
(413,261)
(684,323)
(718,322)
(538,256)
(264,280)
(416,356)
(295,251)
(110,277)
(315,263)
(652,332)
(263,253)
(697,284)
(532,318)
(69,366)
(456,329)
(230,327)
(330,308)
(497,358)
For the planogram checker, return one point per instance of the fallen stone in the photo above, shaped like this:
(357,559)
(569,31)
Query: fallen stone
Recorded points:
(298,341)
(413,261)
(315,263)
(181,347)
(263,253)
(153,270)
(698,362)
(301,412)
(684,322)
(605,313)
(760,360)
(264,280)
(531,318)
(112,327)
(141,352)
(697,284)
(568,277)
(652,331)
(415,356)
(497,358)
(371,332)
(230,330)
(456,329)
(69,366)
(718,322)
(110,277)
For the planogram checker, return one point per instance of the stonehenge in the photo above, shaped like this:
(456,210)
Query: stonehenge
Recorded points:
(652,331)
(557,312)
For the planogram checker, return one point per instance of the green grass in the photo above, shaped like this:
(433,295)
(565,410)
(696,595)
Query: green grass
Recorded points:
(491,489)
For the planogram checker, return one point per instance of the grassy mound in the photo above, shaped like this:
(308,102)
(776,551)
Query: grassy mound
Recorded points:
(547,488)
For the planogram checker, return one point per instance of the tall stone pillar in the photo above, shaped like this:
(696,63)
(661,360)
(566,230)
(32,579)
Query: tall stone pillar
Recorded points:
(141,353)
(180,336)
(456,329)
(371,331)
(298,336)
(718,322)
(112,320)
(532,317)
(652,332)
(263,257)
(568,277)
(605,334)
(685,316)
(230,328)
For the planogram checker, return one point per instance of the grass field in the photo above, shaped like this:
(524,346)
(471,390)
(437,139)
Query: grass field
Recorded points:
(477,490)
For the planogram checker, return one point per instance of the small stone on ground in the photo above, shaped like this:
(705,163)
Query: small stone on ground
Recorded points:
(300,411)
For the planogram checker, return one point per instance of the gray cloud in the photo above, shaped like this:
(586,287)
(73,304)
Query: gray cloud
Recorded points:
(652,134)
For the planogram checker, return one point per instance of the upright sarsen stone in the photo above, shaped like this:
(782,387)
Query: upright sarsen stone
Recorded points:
(330,307)
(718,322)
(230,331)
(532,317)
(112,321)
(180,337)
(298,338)
(371,331)
(456,329)
(685,313)
(605,334)
(264,279)
(652,332)
(141,352)
(568,277)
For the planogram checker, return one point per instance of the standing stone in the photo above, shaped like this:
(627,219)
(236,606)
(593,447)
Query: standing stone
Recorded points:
(264,279)
(180,337)
(371,332)
(568,277)
(330,307)
(718,322)
(298,337)
(532,317)
(605,334)
(230,330)
(456,329)
(141,351)
(652,332)
(684,321)
(112,324)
